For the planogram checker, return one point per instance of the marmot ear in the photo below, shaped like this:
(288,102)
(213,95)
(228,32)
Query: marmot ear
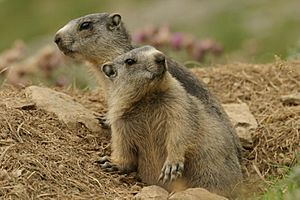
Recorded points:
(108,70)
(115,21)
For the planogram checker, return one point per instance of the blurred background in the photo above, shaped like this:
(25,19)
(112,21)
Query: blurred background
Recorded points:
(225,31)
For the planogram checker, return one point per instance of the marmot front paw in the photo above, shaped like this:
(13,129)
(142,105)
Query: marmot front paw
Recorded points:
(171,171)
(103,122)
(106,165)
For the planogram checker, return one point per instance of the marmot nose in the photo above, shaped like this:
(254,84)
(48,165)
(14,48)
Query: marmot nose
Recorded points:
(57,39)
(160,59)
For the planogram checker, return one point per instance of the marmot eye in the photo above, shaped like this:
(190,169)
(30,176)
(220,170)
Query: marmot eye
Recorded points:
(85,26)
(130,61)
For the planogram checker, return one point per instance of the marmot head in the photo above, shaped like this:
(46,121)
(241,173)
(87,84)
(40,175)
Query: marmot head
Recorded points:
(95,37)
(138,71)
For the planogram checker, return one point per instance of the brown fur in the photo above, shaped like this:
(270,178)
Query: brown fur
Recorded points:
(108,38)
(156,123)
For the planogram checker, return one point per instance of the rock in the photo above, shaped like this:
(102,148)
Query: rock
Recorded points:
(292,99)
(157,193)
(66,109)
(196,194)
(242,119)
(206,80)
(152,192)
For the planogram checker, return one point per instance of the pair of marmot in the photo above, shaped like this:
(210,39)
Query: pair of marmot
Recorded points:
(165,123)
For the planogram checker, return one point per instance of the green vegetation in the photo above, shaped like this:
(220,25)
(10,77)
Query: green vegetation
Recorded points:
(252,31)
(286,189)
(33,19)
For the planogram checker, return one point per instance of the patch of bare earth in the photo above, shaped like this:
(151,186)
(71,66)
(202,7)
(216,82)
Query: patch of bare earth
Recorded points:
(42,158)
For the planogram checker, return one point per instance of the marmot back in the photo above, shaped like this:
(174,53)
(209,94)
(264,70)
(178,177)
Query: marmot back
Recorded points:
(162,131)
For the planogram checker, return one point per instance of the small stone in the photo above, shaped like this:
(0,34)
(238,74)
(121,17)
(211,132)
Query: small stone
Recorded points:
(196,194)
(242,119)
(152,193)
(17,173)
(206,80)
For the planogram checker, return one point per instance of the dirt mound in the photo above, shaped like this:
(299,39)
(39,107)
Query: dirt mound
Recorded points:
(42,158)
(277,139)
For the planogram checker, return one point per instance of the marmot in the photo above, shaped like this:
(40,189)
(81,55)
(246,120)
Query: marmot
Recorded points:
(101,37)
(162,131)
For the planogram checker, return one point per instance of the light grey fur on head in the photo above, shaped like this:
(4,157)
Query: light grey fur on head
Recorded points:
(107,38)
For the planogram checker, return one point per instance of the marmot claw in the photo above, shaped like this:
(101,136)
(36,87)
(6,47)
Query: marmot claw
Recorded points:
(106,165)
(171,172)
(103,122)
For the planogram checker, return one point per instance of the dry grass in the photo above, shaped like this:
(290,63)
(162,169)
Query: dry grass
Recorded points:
(41,158)
(277,139)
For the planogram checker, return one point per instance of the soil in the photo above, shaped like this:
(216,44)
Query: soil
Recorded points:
(42,158)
